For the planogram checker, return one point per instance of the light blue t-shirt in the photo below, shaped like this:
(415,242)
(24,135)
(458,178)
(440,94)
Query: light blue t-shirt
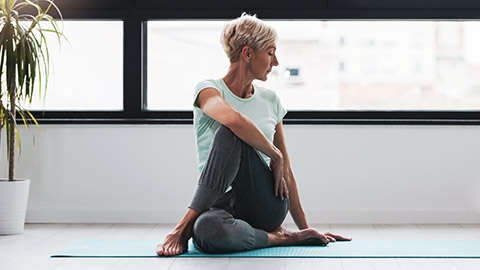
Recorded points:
(263,108)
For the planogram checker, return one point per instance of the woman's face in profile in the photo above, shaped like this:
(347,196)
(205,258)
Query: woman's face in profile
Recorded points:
(263,61)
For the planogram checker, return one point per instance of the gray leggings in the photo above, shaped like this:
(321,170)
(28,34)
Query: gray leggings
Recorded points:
(239,219)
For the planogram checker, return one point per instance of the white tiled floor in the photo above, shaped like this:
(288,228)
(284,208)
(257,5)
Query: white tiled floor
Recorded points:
(31,250)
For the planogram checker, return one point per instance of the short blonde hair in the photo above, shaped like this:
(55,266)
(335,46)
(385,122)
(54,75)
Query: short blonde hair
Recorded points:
(246,30)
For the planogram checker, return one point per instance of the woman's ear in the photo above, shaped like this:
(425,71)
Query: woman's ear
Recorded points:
(246,53)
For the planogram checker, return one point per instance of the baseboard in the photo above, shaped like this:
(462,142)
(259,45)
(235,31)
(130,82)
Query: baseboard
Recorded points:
(394,217)
(102,216)
(319,216)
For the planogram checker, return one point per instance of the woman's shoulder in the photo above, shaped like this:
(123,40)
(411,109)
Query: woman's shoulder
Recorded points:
(214,83)
(266,93)
(209,83)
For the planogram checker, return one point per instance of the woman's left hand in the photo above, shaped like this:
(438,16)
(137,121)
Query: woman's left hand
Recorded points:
(280,185)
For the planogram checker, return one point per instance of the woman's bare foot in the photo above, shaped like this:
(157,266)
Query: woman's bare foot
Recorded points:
(175,243)
(307,237)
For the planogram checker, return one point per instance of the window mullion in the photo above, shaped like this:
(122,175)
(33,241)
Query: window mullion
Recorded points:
(132,67)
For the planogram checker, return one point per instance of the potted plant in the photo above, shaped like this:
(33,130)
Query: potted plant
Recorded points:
(24,60)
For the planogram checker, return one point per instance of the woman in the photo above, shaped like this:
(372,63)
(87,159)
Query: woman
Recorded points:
(240,201)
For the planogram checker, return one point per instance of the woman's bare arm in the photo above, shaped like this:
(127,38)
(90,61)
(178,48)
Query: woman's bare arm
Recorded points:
(296,210)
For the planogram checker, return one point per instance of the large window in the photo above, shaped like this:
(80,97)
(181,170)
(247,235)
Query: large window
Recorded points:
(86,72)
(341,61)
(330,65)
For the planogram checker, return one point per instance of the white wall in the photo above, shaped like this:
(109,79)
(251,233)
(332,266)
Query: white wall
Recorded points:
(345,174)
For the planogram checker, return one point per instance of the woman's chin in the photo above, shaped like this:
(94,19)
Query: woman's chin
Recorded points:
(264,78)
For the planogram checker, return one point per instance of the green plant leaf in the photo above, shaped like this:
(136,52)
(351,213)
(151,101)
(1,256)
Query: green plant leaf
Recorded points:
(33,119)
(19,111)
(24,62)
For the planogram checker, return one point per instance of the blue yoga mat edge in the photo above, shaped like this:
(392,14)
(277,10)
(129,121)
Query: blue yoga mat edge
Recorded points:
(356,249)
(260,256)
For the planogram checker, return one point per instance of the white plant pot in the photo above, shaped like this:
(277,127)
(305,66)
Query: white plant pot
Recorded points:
(13,205)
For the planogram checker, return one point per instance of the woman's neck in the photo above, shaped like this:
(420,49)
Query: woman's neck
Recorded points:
(238,82)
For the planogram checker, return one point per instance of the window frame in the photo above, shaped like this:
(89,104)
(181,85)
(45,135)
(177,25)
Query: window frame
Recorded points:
(136,13)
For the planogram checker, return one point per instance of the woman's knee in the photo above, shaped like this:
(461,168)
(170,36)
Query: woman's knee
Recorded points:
(214,231)
(208,224)
(210,230)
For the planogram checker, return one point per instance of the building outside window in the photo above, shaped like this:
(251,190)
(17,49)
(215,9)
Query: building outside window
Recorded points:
(330,65)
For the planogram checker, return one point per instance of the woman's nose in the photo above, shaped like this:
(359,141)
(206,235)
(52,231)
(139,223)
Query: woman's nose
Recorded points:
(275,61)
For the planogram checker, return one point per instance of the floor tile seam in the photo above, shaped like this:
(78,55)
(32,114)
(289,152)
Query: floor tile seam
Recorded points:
(153,227)
(459,227)
(377,231)
(58,264)
(467,231)
(398,263)
(170,265)
(448,227)
(113,265)
(423,232)
(228,264)
(142,236)
(98,234)
(456,265)
(146,233)
(106,230)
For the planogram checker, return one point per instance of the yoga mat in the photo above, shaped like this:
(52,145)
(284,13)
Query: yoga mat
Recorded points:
(353,249)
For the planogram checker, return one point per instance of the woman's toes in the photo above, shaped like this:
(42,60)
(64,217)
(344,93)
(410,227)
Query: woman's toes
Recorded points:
(160,250)
(175,250)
